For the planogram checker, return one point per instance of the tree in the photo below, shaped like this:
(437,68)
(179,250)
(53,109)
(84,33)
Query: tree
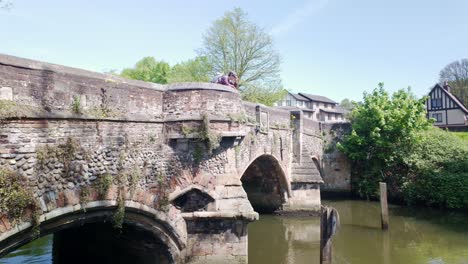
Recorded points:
(148,70)
(194,70)
(384,129)
(348,104)
(456,74)
(5,4)
(233,43)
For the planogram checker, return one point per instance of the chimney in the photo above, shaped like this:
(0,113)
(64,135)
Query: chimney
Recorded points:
(446,86)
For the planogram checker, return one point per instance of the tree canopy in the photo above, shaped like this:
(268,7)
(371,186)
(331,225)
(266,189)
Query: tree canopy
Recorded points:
(233,43)
(194,70)
(148,69)
(348,104)
(384,128)
(456,74)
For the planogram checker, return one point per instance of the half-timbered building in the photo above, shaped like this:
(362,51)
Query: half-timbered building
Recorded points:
(447,110)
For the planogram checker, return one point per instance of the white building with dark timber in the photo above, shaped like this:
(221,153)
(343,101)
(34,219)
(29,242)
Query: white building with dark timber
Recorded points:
(446,109)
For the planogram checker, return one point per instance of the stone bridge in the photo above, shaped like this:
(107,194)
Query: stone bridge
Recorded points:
(179,170)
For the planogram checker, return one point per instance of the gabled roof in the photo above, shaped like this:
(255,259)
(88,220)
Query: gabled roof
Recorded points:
(453,97)
(299,97)
(296,108)
(318,98)
(338,110)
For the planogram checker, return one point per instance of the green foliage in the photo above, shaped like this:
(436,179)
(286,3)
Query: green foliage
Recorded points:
(15,195)
(102,184)
(103,110)
(76,105)
(348,104)
(240,118)
(197,154)
(267,95)
(211,139)
(187,130)
(194,70)
(148,70)
(65,153)
(85,193)
(10,109)
(438,171)
(384,130)
(461,135)
(235,43)
(119,214)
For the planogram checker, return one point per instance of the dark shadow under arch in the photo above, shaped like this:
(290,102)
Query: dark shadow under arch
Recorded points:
(265,183)
(89,237)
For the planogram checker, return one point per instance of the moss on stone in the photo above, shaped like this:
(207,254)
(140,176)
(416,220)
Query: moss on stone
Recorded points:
(16,197)
(102,184)
(64,152)
(119,214)
(10,109)
(211,139)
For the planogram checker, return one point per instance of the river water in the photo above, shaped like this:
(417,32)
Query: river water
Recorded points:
(415,236)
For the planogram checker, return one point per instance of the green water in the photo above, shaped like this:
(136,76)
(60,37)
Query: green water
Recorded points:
(415,236)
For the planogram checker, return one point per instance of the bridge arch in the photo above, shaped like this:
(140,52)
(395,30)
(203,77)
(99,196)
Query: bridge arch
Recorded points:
(266,183)
(163,238)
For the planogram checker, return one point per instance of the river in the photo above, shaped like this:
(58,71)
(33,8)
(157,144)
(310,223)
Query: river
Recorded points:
(415,236)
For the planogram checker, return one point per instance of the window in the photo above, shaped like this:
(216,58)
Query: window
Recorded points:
(437,117)
(288,102)
(436,102)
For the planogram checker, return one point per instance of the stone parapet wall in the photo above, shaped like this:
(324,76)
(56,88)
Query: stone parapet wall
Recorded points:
(176,153)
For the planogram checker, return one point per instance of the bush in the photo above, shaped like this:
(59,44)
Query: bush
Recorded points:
(15,195)
(438,174)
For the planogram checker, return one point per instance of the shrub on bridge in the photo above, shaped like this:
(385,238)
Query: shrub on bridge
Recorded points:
(15,195)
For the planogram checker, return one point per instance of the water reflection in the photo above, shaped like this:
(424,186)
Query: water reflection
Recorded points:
(416,236)
(38,251)
(284,240)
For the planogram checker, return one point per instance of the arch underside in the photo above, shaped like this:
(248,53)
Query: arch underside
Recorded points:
(265,183)
(90,237)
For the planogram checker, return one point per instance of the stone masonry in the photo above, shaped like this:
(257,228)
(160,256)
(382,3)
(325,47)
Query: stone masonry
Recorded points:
(189,163)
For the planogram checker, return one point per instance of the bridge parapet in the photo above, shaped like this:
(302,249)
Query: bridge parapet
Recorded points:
(184,154)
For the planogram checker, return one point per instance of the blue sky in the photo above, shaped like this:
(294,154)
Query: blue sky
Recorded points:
(336,48)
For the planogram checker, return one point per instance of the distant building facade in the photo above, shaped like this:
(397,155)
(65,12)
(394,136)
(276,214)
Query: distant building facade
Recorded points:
(447,110)
(315,107)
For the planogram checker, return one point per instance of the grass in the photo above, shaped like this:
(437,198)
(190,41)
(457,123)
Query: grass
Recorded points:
(461,135)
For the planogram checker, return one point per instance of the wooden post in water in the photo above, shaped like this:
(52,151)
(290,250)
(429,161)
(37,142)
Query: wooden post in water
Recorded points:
(329,223)
(383,205)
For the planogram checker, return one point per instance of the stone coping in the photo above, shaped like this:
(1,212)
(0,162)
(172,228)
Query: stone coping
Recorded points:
(249,216)
(14,61)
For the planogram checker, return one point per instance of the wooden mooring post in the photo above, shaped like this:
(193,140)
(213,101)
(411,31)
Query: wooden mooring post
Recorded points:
(383,205)
(329,224)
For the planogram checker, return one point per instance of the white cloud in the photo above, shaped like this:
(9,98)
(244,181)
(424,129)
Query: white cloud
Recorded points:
(298,16)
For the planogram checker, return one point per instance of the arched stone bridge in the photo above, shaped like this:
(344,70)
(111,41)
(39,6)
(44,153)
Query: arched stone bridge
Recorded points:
(183,168)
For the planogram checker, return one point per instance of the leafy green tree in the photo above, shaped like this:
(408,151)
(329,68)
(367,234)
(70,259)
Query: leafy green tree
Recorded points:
(348,104)
(194,70)
(148,70)
(384,129)
(456,74)
(233,43)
